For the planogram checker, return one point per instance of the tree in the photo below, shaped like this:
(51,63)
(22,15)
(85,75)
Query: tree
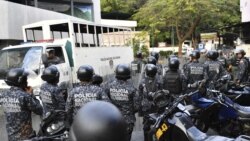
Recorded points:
(187,15)
(118,7)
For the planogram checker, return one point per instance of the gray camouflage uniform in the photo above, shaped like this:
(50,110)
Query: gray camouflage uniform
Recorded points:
(146,89)
(242,73)
(52,98)
(18,105)
(122,94)
(196,72)
(159,69)
(81,95)
(215,70)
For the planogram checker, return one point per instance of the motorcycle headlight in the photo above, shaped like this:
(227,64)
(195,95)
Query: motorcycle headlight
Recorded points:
(54,126)
(49,130)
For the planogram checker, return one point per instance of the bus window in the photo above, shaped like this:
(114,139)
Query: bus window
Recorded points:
(83,31)
(91,36)
(105,37)
(59,31)
(77,35)
(99,35)
(127,37)
(116,37)
(121,37)
(111,36)
(34,34)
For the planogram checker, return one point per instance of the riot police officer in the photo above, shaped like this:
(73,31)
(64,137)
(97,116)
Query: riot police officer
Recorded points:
(242,73)
(98,121)
(173,80)
(18,102)
(137,66)
(51,94)
(196,72)
(215,69)
(152,60)
(203,57)
(184,67)
(122,94)
(159,66)
(233,63)
(148,86)
(97,80)
(84,92)
(222,59)
(137,63)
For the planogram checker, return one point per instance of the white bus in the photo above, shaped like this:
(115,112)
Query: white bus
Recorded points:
(76,43)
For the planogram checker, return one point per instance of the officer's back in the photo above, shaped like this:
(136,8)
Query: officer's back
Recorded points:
(195,72)
(122,94)
(18,103)
(84,92)
(159,66)
(51,94)
(173,80)
(215,69)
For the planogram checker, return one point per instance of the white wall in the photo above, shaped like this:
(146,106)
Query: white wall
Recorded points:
(245,10)
(13,16)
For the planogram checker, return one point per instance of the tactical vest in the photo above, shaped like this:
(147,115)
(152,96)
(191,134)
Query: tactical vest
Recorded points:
(222,61)
(173,82)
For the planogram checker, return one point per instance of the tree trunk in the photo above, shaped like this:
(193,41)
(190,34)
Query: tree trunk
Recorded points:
(183,37)
(180,48)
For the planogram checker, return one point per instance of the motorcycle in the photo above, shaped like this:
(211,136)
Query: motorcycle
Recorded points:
(219,112)
(52,127)
(175,124)
(239,93)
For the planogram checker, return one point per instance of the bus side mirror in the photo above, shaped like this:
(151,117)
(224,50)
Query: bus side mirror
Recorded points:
(45,59)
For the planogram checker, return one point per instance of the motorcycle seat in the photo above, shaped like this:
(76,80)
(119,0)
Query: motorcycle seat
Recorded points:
(195,134)
(243,111)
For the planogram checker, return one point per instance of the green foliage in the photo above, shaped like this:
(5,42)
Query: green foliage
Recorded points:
(165,53)
(123,6)
(139,43)
(187,15)
(145,50)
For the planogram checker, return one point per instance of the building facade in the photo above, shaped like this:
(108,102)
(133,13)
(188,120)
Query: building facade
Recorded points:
(16,13)
(245,10)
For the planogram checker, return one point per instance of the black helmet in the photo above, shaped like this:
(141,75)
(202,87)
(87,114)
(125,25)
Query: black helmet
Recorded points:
(97,80)
(195,54)
(155,54)
(212,54)
(151,60)
(98,121)
(51,75)
(122,72)
(174,64)
(151,70)
(138,54)
(85,73)
(17,77)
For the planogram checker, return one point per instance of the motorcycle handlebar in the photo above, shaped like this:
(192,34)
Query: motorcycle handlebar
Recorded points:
(169,110)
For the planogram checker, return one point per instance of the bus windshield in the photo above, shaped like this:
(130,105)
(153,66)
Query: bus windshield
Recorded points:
(25,57)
